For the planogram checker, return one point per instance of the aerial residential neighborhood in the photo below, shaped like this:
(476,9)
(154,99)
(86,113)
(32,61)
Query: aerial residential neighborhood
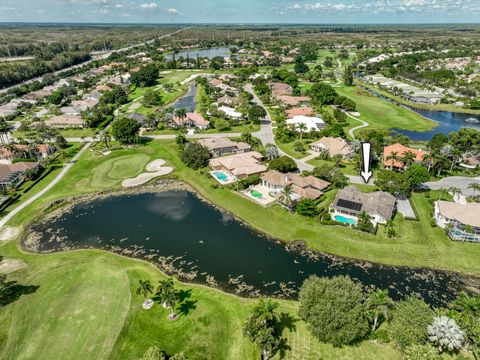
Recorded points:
(260,180)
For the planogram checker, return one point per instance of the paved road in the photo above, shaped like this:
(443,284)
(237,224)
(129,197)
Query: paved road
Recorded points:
(105,55)
(164,137)
(266,137)
(46,188)
(461,182)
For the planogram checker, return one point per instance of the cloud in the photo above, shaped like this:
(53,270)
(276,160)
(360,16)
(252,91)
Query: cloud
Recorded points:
(383,7)
(151,5)
(172,11)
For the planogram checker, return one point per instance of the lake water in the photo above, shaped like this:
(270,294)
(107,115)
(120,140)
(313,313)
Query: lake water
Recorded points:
(189,100)
(447,121)
(178,230)
(202,53)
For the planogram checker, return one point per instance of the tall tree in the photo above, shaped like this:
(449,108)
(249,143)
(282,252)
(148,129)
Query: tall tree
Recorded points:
(379,305)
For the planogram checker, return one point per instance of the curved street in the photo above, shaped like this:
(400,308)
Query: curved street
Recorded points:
(59,177)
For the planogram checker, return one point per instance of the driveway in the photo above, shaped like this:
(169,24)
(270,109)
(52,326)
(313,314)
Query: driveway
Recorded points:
(405,208)
(461,182)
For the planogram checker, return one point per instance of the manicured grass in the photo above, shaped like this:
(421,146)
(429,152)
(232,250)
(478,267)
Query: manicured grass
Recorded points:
(67,133)
(432,249)
(441,107)
(289,148)
(85,307)
(235,129)
(345,167)
(381,114)
(111,172)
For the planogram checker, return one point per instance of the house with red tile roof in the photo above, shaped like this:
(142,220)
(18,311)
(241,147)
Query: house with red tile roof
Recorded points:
(393,154)
(305,111)
(17,151)
(191,120)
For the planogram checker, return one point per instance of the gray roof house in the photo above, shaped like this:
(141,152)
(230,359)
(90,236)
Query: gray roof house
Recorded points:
(351,201)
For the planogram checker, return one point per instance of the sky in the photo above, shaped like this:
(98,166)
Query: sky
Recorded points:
(241,11)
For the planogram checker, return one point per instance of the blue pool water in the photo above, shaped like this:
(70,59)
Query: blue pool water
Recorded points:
(345,220)
(220,176)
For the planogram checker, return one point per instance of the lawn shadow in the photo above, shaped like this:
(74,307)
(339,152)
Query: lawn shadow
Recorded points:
(184,294)
(185,307)
(285,321)
(13,291)
(282,348)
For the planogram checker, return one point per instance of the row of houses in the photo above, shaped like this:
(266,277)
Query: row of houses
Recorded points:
(406,91)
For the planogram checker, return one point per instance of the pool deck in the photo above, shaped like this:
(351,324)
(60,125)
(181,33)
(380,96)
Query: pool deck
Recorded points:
(265,200)
(230,178)
(344,216)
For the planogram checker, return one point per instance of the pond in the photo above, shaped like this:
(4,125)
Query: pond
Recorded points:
(202,53)
(189,100)
(187,236)
(447,121)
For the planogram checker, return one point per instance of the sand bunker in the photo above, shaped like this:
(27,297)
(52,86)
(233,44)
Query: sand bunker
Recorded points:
(9,232)
(154,169)
(8,266)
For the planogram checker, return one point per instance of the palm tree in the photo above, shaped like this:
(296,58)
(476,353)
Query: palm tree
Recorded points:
(181,113)
(474,186)
(267,313)
(170,298)
(455,155)
(271,152)
(454,191)
(380,306)
(430,160)
(286,196)
(301,128)
(164,287)
(408,158)
(105,137)
(144,288)
(393,157)
(267,342)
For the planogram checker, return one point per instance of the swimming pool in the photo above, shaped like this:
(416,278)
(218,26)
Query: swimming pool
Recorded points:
(345,220)
(220,175)
(256,194)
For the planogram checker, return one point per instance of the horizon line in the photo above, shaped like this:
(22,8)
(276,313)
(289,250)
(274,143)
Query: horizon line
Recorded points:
(234,23)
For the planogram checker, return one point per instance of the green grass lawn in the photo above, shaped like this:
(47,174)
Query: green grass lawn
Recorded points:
(433,249)
(289,148)
(440,107)
(346,168)
(66,133)
(85,307)
(235,129)
(381,114)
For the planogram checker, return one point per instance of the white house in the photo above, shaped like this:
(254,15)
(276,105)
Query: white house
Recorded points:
(462,221)
(312,123)
(230,112)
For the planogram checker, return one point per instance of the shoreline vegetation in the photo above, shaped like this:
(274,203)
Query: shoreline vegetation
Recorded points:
(29,241)
(421,244)
(436,107)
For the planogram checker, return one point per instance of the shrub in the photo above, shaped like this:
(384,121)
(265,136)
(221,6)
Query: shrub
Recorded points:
(445,333)
(410,319)
(333,309)
(195,155)
(307,207)
(283,164)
